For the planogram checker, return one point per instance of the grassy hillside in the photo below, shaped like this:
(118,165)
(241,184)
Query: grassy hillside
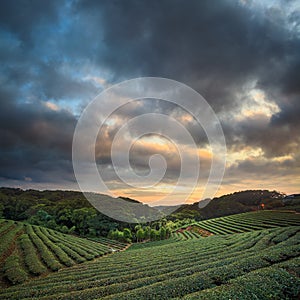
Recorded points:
(27,251)
(261,264)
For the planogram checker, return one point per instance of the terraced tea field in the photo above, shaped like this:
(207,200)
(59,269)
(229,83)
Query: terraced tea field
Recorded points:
(27,251)
(262,264)
(185,235)
(240,223)
(250,221)
(258,259)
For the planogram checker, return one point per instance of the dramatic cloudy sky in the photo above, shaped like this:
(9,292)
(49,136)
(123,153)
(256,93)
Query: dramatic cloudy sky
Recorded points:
(242,56)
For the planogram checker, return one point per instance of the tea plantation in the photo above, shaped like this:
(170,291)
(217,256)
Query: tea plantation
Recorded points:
(258,259)
(250,221)
(27,251)
(257,264)
(238,223)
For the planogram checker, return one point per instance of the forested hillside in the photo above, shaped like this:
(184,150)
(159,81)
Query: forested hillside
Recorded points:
(70,212)
(234,203)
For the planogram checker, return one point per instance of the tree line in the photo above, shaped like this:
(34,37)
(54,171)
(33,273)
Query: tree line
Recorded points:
(69,212)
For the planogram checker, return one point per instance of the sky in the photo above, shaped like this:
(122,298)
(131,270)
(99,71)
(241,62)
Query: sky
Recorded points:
(242,56)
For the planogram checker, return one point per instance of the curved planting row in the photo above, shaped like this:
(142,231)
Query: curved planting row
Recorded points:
(250,221)
(258,261)
(27,251)
(115,245)
(185,235)
(190,232)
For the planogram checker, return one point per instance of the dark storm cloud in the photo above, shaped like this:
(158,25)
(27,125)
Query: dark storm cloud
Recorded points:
(35,141)
(36,138)
(282,85)
(48,48)
(56,84)
(258,132)
(33,122)
(214,46)
(217,48)
(22,17)
(263,170)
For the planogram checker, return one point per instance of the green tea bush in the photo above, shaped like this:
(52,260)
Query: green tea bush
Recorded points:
(30,256)
(13,270)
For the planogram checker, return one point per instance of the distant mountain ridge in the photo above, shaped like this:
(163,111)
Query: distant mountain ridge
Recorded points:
(121,208)
(238,202)
(22,202)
